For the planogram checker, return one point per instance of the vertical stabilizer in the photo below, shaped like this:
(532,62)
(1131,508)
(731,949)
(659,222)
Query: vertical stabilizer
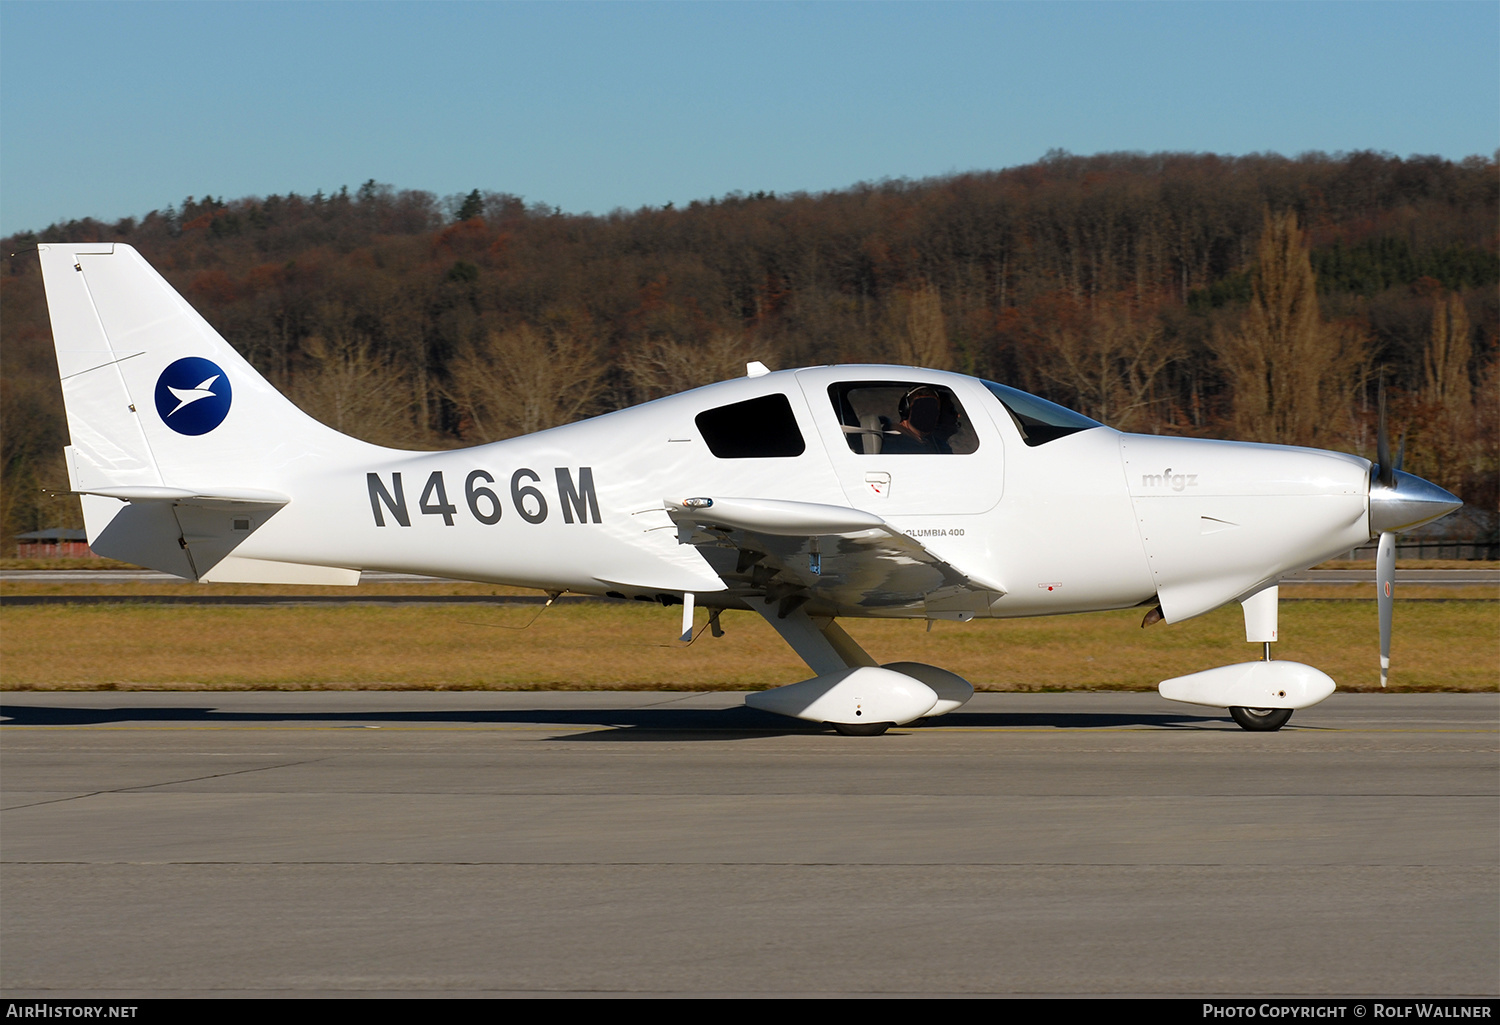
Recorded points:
(154,395)
(170,426)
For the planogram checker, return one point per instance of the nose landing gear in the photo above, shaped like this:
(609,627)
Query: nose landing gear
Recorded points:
(1260,695)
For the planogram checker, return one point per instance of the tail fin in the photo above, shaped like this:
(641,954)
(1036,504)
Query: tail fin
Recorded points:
(163,414)
(154,395)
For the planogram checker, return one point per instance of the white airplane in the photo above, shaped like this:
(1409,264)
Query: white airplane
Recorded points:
(803,495)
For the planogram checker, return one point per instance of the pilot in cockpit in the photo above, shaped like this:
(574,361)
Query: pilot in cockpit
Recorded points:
(928,421)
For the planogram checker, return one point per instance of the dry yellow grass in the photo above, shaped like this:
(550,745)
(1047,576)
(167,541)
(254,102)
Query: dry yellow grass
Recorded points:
(1453,645)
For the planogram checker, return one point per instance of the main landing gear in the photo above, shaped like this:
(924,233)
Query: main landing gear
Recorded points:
(852,693)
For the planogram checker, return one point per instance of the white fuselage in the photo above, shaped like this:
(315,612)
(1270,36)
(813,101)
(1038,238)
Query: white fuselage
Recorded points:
(1093,520)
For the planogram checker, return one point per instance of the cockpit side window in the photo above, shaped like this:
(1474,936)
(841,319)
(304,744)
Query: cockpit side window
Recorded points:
(761,428)
(902,418)
(1038,420)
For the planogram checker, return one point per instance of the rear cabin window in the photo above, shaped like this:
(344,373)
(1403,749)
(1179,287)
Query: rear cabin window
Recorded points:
(762,428)
(902,418)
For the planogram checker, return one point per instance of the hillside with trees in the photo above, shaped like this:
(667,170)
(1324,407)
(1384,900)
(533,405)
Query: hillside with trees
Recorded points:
(1258,298)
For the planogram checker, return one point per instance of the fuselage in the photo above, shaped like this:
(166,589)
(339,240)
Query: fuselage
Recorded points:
(1071,520)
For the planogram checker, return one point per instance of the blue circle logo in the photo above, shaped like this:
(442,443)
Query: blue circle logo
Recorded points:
(192,395)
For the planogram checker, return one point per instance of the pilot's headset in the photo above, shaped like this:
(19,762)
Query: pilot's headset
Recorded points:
(922,408)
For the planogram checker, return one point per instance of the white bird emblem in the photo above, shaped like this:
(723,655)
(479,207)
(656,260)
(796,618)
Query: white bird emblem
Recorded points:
(186,396)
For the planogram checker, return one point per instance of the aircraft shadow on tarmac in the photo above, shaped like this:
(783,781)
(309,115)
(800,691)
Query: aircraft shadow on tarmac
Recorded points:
(640,724)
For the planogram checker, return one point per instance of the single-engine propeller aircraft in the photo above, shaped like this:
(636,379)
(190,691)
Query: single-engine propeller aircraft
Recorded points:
(803,495)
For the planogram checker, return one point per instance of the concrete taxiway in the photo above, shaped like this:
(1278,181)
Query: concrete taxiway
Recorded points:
(161,844)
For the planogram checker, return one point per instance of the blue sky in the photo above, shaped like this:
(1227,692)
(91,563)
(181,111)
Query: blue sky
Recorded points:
(115,109)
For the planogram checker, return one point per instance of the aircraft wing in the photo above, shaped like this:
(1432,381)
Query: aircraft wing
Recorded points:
(834,559)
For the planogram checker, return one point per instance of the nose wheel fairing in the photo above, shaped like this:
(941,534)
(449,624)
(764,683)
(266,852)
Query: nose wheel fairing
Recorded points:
(1257,685)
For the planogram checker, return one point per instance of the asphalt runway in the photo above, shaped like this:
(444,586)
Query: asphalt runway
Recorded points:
(386,843)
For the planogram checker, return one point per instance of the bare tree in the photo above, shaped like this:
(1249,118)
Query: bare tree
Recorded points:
(1447,362)
(664,366)
(523,380)
(1292,377)
(1110,362)
(1442,422)
(346,386)
(922,340)
(1484,479)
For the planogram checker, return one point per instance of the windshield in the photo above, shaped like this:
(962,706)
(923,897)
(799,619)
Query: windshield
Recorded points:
(1038,420)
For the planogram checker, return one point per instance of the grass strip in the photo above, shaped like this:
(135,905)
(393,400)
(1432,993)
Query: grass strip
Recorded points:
(1450,645)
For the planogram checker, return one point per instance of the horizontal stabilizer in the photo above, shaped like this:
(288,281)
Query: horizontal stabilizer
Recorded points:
(184,531)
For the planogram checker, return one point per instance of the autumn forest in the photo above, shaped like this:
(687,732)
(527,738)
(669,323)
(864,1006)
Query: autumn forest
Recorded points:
(1256,298)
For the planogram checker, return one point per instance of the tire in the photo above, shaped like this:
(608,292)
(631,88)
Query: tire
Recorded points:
(861,729)
(1261,720)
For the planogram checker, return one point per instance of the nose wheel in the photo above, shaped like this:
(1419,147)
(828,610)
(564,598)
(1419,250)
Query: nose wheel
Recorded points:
(1261,720)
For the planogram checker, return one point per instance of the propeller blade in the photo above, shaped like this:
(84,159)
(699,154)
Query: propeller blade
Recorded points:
(1383,445)
(1385,586)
